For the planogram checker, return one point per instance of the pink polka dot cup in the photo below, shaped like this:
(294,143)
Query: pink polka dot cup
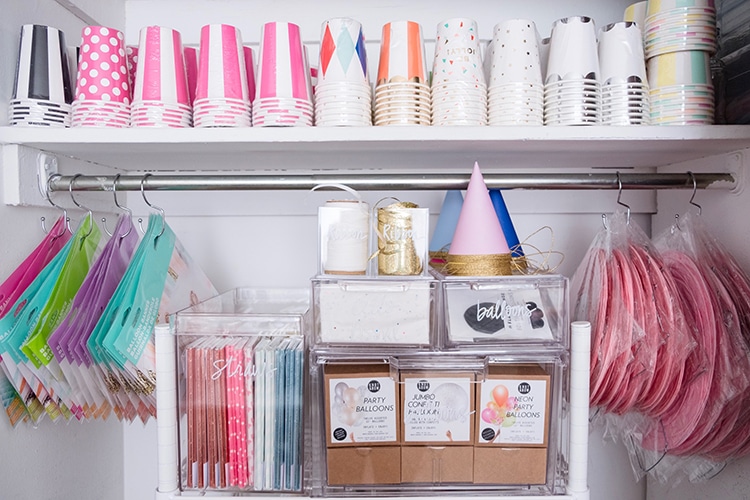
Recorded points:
(103,68)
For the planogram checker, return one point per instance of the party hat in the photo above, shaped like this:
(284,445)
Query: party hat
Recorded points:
(479,247)
(507,224)
(446,223)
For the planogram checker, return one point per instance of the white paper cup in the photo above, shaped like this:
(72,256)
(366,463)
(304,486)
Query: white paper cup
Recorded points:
(573,50)
(457,55)
(342,58)
(515,53)
(402,54)
(621,53)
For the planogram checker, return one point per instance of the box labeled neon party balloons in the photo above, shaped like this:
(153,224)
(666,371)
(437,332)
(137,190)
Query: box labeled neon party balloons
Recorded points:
(512,425)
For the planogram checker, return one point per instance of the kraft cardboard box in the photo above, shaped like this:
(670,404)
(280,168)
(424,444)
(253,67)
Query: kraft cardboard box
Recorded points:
(437,408)
(361,405)
(508,466)
(364,465)
(512,419)
(437,464)
(513,405)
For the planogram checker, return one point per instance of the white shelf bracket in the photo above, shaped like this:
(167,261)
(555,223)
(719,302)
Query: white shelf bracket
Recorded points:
(25,172)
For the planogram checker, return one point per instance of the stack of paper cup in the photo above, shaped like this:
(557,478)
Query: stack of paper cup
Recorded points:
(625,96)
(402,91)
(42,93)
(222,93)
(343,96)
(516,88)
(681,89)
(572,93)
(679,41)
(283,95)
(160,97)
(459,89)
(680,25)
(103,89)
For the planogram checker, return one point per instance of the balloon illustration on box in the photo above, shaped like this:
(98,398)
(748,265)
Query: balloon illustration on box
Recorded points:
(346,400)
(454,402)
(497,410)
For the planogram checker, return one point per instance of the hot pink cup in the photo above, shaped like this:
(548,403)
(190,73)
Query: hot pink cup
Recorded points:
(191,69)
(161,74)
(282,71)
(103,68)
(221,64)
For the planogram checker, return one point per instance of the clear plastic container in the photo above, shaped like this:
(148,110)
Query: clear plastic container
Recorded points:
(242,391)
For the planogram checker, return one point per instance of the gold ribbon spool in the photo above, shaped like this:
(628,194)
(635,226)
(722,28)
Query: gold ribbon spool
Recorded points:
(479,265)
(397,254)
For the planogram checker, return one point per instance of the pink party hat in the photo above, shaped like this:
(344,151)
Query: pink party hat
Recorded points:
(478,231)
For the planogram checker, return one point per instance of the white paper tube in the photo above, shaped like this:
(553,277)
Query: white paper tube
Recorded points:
(166,409)
(579,406)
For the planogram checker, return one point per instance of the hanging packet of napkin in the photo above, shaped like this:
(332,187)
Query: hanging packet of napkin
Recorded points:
(39,309)
(66,342)
(161,279)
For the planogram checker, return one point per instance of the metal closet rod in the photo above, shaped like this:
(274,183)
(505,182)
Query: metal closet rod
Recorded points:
(387,182)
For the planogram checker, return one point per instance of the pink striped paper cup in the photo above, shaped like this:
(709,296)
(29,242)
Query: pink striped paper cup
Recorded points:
(221,64)
(250,70)
(103,68)
(191,68)
(160,75)
(282,70)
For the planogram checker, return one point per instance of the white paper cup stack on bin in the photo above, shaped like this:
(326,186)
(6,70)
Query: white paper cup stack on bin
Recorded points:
(343,96)
(283,95)
(572,90)
(679,39)
(625,95)
(160,97)
(516,87)
(402,91)
(459,89)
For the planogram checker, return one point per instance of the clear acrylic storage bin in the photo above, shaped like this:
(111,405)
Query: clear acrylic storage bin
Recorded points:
(380,311)
(504,312)
(242,391)
(415,424)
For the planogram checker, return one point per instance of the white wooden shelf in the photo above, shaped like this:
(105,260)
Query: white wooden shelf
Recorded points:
(416,149)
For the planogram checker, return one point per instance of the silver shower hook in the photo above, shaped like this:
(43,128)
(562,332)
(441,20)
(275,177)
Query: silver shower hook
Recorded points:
(66,225)
(121,207)
(619,195)
(154,207)
(692,196)
(79,205)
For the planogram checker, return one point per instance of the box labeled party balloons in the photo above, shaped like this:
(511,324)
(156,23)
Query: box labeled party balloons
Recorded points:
(362,405)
